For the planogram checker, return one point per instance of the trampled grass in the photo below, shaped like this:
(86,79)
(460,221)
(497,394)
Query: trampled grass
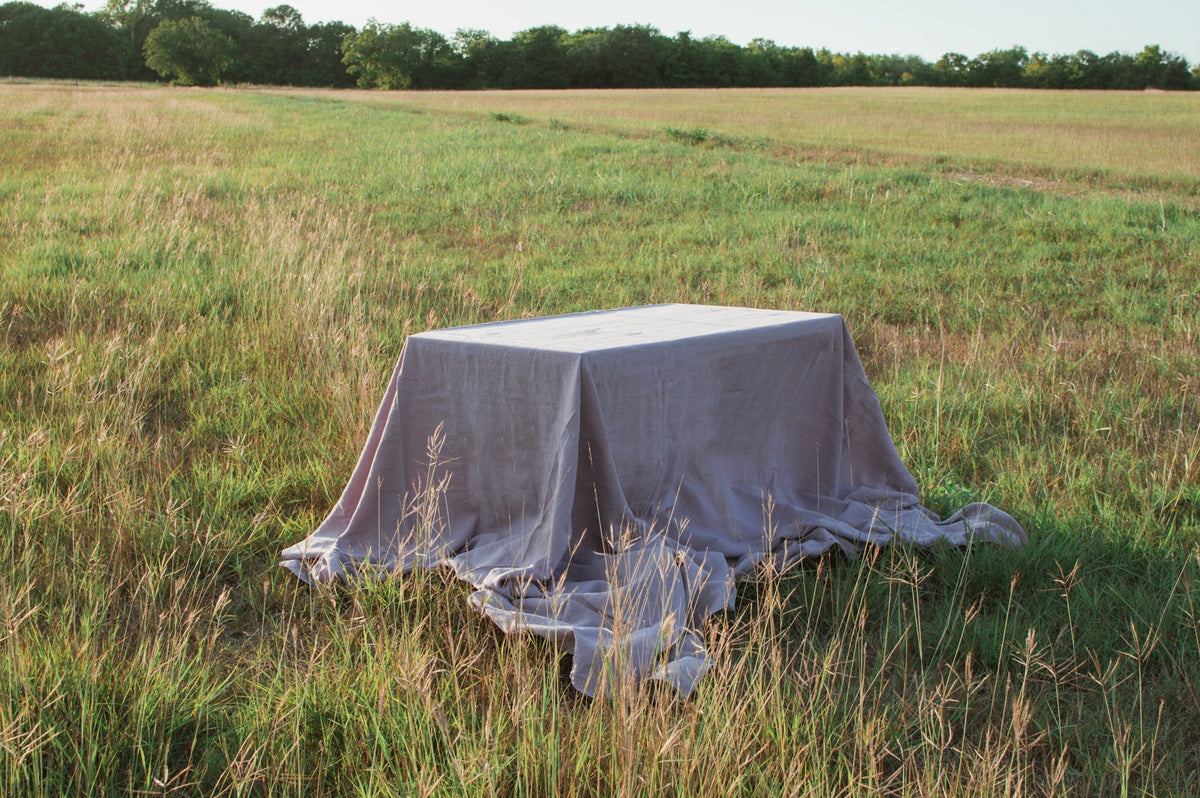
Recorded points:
(202,294)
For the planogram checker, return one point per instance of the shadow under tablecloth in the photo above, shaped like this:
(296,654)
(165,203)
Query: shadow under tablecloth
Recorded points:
(601,477)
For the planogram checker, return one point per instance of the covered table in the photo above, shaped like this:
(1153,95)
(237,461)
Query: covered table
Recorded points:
(601,477)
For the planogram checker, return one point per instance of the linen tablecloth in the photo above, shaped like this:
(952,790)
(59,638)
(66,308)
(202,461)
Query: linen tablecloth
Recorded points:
(601,477)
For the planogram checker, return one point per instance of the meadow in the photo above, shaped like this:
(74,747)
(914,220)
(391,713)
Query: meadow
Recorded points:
(203,293)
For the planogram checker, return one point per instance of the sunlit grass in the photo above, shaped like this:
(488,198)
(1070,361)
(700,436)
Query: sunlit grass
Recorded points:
(202,294)
(1139,139)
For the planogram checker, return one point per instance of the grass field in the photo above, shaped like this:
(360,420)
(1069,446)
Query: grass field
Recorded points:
(1138,140)
(202,294)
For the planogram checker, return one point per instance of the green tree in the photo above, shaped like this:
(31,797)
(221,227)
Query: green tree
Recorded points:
(1161,70)
(1121,72)
(277,47)
(896,70)
(999,68)
(189,51)
(638,53)
(239,27)
(951,70)
(134,19)
(61,42)
(324,66)
(764,62)
(628,57)
(724,63)
(1054,72)
(682,68)
(539,59)
(1090,70)
(483,58)
(379,55)
(799,67)
(399,57)
(857,71)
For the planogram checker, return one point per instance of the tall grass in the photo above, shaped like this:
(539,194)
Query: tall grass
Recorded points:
(203,293)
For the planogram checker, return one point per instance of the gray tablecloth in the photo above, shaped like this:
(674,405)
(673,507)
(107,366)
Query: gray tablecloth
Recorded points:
(601,477)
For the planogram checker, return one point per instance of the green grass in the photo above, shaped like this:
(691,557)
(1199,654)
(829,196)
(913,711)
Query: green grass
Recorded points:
(202,294)
(1117,140)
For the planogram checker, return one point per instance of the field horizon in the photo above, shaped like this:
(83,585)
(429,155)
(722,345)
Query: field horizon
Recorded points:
(203,293)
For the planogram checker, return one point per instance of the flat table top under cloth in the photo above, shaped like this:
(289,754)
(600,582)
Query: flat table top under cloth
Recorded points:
(600,477)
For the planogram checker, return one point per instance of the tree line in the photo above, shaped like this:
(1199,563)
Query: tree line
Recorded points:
(192,42)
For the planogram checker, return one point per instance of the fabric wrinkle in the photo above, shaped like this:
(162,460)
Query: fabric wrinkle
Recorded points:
(602,478)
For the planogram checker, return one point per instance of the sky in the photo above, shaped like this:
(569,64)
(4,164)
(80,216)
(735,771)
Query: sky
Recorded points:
(927,28)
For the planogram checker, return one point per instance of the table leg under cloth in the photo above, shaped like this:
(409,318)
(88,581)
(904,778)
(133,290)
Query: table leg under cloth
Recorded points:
(600,478)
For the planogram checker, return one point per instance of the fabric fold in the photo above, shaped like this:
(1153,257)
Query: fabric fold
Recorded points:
(601,478)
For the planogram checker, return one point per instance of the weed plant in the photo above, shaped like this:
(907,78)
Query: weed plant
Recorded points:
(202,294)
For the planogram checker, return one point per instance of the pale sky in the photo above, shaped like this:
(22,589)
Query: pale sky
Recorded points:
(926,28)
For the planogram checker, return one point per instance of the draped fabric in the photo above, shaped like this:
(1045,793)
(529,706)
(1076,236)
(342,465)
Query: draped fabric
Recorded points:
(601,478)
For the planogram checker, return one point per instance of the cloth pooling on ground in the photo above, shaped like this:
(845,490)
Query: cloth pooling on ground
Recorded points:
(600,478)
